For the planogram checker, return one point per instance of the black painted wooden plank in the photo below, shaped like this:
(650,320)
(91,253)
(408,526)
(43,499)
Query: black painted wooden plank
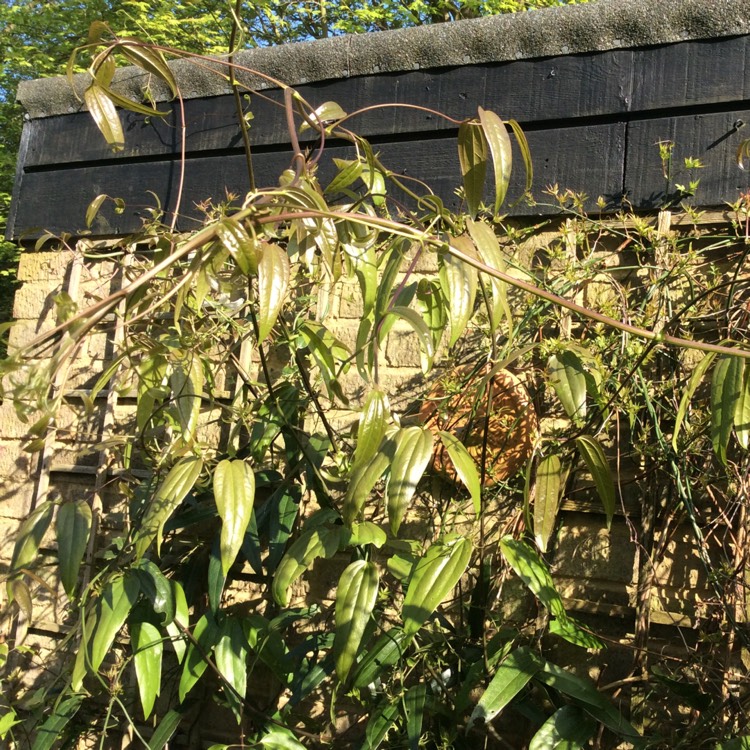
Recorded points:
(533,91)
(710,138)
(588,159)
(693,73)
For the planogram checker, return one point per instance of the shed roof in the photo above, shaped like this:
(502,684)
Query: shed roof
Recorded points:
(572,29)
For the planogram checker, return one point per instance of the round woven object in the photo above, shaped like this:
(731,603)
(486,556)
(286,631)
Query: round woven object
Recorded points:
(511,430)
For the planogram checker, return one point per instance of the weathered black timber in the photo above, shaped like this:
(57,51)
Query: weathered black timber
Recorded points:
(593,119)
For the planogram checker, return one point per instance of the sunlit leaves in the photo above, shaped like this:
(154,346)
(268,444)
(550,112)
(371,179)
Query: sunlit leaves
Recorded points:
(105,116)
(273,283)
(30,536)
(240,245)
(459,283)
(73,528)
(472,156)
(498,141)
(176,485)
(549,475)
(568,377)
(412,453)
(147,655)
(696,378)
(726,388)
(593,455)
(435,575)
(234,491)
(465,467)
(231,652)
(355,600)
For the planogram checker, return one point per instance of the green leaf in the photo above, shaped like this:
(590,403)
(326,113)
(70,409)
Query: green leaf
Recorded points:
(414,701)
(737,743)
(696,377)
(273,283)
(498,140)
(459,284)
(172,491)
(412,454)
(366,533)
(596,461)
(231,652)
(167,727)
(363,479)
(431,303)
(384,653)
(549,476)
(93,209)
(742,413)
(326,112)
(381,720)
(311,544)
(533,571)
(49,733)
(281,739)
(7,721)
(234,492)
(472,156)
(568,728)
(30,536)
(205,635)
(148,59)
(571,631)
(372,426)
(238,242)
(584,692)
(187,385)
(158,589)
(568,377)
(355,599)
(726,389)
(465,467)
(349,172)
(489,251)
(73,529)
(513,674)
(435,576)
(523,145)
(424,335)
(103,624)
(104,115)
(148,648)
(181,618)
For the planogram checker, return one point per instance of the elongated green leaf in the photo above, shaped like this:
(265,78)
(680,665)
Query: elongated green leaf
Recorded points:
(30,536)
(465,467)
(311,544)
(412,453)
(149,59)
(158,589)
(19,592)
(696,377)
(414,701)
(546,499)
(231,652)
(205,635)
(523,145)
(234,492)
(238,242)
(742,413)
(349,172)
(726,389)
(568,377)
(147,654)
(181,620)
(363,479)
(366,533)
(172,491)
(105,116)
(434,577)
(431,303)
(489,251)
(93,209)
(513,674)
(49,733)
(381,721)
(424,335)
(73,529)
(110,611)
(273,283)
(459,283)
(569,728)
(384,653)
(472,156)
(326,112)
(187,385)
(167,727)
(596,461)
(584,692)
(533,571)
(498,140)
(572,632)
(355,599)
(372,425)
(281,739)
